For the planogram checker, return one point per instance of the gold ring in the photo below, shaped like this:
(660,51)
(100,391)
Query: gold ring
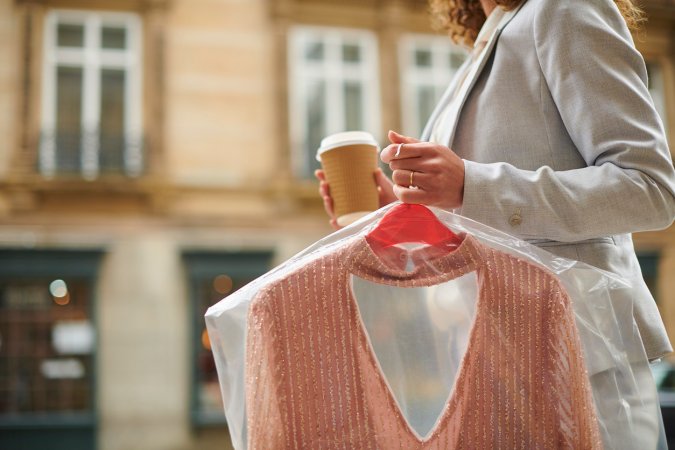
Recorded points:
(412,181)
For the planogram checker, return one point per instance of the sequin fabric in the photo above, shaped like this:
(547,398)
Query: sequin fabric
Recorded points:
(313,382)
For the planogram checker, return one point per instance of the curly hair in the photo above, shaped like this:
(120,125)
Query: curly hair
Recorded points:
(462,19)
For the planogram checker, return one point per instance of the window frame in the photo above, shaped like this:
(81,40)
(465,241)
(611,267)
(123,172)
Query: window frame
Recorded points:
(201,266)
(413,77)
(92,59)
(331,70)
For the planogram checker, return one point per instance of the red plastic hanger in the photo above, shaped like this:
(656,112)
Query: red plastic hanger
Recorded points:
(412,223)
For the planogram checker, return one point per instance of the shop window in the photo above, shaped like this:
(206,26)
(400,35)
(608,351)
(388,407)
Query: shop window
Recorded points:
(47,349)
(91,104)
(427,64)
(213,276)
(333,87)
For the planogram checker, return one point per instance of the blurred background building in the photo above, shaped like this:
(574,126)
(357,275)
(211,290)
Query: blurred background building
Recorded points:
(155,155)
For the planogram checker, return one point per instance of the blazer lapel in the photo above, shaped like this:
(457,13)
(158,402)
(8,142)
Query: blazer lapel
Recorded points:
(471,78)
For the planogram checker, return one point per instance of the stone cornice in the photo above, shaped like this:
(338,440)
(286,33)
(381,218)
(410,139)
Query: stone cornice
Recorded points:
(142,5)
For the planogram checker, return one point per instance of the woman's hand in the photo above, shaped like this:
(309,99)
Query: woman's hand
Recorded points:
(385,189)
(437,172)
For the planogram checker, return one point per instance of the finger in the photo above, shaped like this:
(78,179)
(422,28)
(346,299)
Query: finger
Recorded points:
(406,151)
(410,195)
(324,189)
(381,179)
(402,178)
(396,138)
(334,224)
(385,188)
(328,206)
(420,164)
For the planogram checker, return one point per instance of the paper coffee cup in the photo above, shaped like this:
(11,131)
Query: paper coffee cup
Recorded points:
(349,160)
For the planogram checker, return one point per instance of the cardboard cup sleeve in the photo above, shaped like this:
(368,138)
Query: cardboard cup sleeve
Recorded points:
(350,174)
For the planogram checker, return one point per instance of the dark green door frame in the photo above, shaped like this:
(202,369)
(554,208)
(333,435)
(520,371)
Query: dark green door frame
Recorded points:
(53,430)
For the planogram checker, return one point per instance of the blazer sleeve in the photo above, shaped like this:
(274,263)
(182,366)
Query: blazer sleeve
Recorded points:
(598,82)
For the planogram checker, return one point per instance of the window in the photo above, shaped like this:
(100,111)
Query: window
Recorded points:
(91,104)
(47,349)
(428,63)
(333,87)
(213,276)
(656,89)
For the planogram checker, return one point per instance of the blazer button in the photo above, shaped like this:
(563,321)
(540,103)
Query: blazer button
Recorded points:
(515,220)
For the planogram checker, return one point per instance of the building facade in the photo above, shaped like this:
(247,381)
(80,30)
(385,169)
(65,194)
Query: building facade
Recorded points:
(157,155)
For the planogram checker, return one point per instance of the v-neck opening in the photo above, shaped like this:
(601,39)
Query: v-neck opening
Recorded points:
(450,401)
(469,257)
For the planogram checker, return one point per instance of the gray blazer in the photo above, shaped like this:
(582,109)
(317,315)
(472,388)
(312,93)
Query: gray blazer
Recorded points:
(562,144)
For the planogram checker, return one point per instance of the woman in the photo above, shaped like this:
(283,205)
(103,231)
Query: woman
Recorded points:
(548,133)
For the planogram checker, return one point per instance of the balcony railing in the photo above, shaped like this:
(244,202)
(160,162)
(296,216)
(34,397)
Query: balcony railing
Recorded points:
(90,154)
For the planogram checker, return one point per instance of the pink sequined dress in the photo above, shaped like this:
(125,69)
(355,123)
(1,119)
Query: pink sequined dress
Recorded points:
(313,380)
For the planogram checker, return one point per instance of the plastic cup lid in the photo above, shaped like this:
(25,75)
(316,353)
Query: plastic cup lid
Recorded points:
(345,138)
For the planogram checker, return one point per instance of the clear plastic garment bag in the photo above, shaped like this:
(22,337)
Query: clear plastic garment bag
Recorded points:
(418,328)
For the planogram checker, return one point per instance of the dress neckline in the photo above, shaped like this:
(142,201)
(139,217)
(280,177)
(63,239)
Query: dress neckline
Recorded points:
(433,267)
